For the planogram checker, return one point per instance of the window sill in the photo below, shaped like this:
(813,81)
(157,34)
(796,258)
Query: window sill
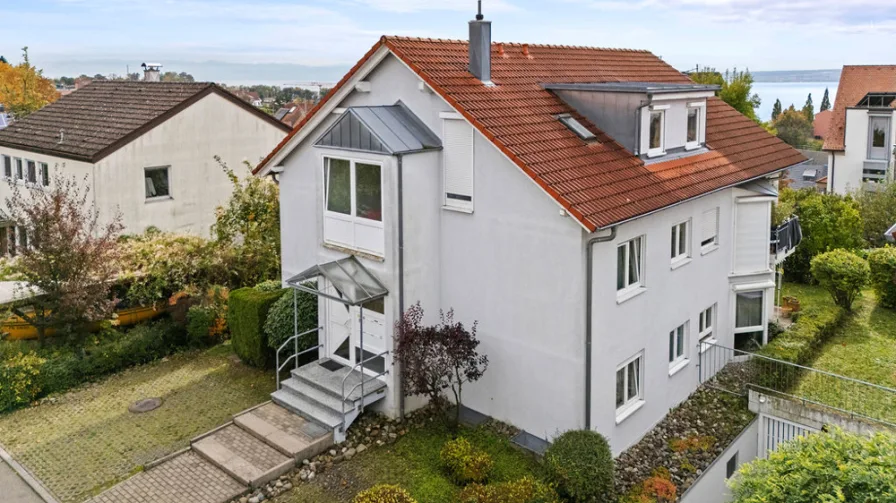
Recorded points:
(457,209)
(706,250)
(692,146)
(675,368)
(655,153)
(680,262)
(625,295)
(158,199)
(353,251)
(622,415)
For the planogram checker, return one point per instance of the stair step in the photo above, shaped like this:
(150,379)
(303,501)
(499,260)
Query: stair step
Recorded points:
(331,381)
(286,432)
(323,398)
(242,456)
(306,408)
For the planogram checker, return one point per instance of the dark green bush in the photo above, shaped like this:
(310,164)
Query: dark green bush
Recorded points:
(464,462)
(384,493)
(842,274)
(201,321)
(247,310)
(279,325)
(883,275)
(524,490)
(580,464)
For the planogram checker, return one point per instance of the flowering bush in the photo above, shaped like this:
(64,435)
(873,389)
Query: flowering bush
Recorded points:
(384,493)
(524,490)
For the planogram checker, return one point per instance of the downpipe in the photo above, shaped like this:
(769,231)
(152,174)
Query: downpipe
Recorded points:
(589,283)
(401,404)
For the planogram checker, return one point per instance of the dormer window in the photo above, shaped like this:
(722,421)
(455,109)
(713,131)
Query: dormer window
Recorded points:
(693,122)
(657,145)
(576,127)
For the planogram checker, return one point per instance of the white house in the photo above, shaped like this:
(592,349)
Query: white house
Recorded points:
(860,140)
(146,149)
(594,210)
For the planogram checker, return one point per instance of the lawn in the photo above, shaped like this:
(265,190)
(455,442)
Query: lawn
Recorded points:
(86,440)
(413,463)
(864,348)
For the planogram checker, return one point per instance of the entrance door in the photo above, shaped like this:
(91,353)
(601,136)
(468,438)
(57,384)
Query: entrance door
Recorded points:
(339,329)
(374,327)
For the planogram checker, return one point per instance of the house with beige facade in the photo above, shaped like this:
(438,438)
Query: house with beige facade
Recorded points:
(145,149)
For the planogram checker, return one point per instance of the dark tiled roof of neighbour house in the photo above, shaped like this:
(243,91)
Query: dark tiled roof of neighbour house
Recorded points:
(103,116)
(855,83)
(599,183)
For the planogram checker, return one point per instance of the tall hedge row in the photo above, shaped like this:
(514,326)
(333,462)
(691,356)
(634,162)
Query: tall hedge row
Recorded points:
(247,310)
(883,275)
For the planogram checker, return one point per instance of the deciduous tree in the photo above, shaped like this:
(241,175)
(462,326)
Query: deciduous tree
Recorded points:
(793,127)
(23,88)
(825,101)
(66,255)
(439,358)
(736,88)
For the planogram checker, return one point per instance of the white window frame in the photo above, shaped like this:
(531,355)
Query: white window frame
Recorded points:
(43,174)
(678,349)
(351,218)
(706,322)
(18,168)
(661,150)
(166,197)
(707,246)
(28,164)
(630,404)
(680,257)
(698,108)
(631,288)
(11,168)
(875,153)
(763,316)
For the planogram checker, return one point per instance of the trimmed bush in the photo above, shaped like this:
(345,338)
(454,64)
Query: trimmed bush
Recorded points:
(464,462)
(384,493)
(19,380)
(279,325)
(842,274)
(247,310)
(883,275)
(580,464)
(524,490)
(201,321)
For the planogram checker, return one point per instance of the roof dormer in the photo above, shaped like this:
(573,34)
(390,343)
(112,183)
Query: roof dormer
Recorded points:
(652,120)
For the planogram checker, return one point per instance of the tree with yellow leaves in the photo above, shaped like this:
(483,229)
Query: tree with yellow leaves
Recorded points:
(24,89)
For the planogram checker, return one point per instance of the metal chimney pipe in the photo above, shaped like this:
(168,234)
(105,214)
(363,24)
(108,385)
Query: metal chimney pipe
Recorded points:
(481,47)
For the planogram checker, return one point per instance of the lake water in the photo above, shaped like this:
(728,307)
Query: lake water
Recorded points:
(791,93)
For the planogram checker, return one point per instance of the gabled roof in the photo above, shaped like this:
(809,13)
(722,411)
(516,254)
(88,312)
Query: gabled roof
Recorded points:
(384,129)
(599,183)
(822,123)
(855,83)
(98,119)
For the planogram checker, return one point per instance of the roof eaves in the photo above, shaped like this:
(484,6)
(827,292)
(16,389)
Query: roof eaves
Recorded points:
(46,151)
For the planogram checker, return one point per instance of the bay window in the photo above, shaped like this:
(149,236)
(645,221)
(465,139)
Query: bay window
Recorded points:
(353,205)
(749,320)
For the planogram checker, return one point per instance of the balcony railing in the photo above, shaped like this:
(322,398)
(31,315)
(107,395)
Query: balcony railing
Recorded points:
(785,238)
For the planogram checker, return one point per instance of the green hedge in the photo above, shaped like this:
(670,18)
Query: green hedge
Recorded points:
(801,341)
(883,275)
(580,464)
(280,323)
(247,310)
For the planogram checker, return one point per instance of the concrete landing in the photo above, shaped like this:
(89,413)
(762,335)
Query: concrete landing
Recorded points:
(288,433)
(242,456)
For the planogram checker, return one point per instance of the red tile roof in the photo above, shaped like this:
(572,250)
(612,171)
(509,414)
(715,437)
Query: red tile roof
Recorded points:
(600,184)
(822,123)
(855,83)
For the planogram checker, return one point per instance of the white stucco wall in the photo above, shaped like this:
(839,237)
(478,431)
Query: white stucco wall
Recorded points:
(78,169)
(848,166)
(187,143)
(712,486)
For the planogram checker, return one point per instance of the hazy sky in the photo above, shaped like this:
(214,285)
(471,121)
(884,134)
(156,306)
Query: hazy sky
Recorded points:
(759,34)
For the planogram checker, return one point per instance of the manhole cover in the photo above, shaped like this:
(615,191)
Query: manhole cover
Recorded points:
(145,405)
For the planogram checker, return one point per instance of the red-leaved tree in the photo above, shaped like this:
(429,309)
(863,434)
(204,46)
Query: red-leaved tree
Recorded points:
(65,254)
(437,358)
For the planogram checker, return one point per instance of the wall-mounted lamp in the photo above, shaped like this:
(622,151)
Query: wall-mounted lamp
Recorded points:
(275,174)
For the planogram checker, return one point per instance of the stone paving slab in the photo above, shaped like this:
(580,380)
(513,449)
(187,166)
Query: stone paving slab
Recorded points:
(289,433)
(243,456)
(185,478)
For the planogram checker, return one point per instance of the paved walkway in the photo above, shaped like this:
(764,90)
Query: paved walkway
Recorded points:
(13,489)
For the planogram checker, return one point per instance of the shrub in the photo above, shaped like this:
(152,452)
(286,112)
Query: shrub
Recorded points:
(19,380)
(580,464)
(247,310)
(877,208)
(464,462)
(384,493)
(883,275)
(280,323)
(833,466)
(524,490)
(842,274)
(202,321)
(271,285)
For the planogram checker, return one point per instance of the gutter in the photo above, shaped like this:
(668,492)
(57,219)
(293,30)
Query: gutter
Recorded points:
(589,281)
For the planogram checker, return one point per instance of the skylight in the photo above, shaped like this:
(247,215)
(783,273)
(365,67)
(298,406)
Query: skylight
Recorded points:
(576,127)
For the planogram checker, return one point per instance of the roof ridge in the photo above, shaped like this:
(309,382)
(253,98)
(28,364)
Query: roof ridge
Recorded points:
(531,45)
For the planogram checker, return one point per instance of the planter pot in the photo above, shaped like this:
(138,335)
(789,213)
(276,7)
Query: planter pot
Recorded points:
(793,303)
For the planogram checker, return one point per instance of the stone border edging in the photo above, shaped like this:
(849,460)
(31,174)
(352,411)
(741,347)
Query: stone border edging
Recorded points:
(157,462)
(25,475)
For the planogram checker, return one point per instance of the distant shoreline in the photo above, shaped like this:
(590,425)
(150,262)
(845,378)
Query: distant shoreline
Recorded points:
(797,76)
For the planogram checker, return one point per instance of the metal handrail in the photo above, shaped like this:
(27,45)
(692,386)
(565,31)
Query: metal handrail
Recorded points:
(296,353)
(361,384)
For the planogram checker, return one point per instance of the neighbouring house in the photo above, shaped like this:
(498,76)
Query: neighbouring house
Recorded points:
(250,97)
(294,112)
(599,214)
(821,123)
(146,149)
(860,138)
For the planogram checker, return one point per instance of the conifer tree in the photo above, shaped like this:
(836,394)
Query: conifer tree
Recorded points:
(825,101)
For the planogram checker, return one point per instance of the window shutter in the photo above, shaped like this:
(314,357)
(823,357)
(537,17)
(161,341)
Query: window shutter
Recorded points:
(751,239)
(710,227)
(457,159)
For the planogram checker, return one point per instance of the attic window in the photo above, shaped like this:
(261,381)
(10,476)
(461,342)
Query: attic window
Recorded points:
(576,127)
(875,100)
